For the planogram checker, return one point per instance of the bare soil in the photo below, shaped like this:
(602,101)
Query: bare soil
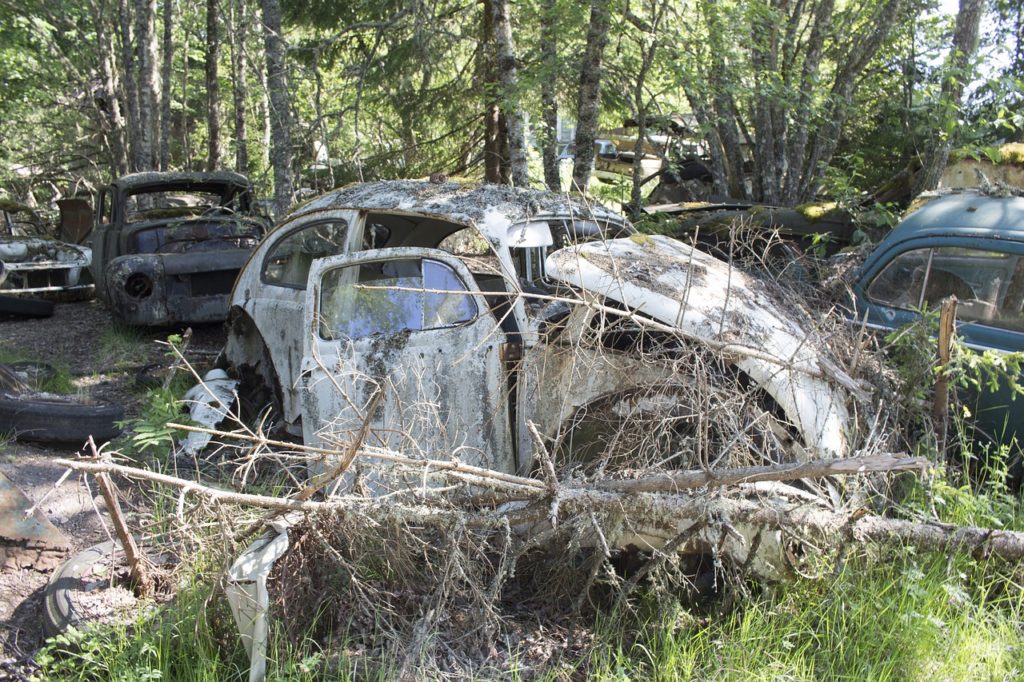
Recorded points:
(72,338)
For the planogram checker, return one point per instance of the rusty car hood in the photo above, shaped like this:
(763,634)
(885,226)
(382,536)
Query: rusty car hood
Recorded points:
(21,252)
(707,300)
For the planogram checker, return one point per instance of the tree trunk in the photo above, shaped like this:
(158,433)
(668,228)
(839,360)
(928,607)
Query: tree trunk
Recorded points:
(957,72)
(796,146)
(131,92)
(280,115)
(507,74)
(589,98)
(723,115)
(145,30)
(213,147)
(165,90)
(548,102)
(841,97)
(492,128)
(239,74)
(114,123)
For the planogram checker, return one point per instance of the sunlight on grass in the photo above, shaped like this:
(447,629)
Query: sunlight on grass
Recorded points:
(123,345)
(915,618)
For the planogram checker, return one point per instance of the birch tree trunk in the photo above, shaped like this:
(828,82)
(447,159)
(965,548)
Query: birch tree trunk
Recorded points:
(131,92)
(213,145)
(280,114)
(588,101)
(492,113)
(507,73)
(145,30)
(957,73)
(549,104)
(114,122)
(239,75)
(796,148)
(841,97)
(165,90)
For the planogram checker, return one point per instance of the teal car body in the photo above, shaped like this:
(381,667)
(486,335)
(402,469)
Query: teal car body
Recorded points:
(970,245)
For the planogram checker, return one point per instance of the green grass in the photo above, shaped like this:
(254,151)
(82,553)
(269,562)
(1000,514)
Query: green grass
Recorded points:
(122,345)
(912,618)
(59,381)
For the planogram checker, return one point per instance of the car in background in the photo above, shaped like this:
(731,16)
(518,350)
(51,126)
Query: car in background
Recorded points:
(168,246)
(969,245)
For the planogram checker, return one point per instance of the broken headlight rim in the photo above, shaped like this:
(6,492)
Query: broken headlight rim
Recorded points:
(138,285)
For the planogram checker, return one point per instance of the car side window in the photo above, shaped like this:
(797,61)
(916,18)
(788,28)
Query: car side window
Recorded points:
(392,296)
(989,285)
(287,263)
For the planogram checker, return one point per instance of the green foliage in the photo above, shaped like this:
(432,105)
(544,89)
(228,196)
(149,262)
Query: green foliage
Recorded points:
(908,617)
(58,381)
(187,640)
(122,345)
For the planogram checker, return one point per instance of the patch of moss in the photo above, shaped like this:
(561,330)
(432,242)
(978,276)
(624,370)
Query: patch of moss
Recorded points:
(759,210)
(12,206)
(641,239)
(816,211)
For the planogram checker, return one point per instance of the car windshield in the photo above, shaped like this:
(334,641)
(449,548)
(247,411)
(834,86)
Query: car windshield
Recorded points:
(196,236)
(163,203)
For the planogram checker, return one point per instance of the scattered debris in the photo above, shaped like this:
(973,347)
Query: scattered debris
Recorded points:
(27,538)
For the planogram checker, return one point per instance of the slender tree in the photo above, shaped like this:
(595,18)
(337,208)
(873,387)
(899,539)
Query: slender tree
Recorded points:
(588,101)
(280,115)
(548,47)
(166,71)
(145,30)
(956,73)
(507,73)
(213,155)
(239,76)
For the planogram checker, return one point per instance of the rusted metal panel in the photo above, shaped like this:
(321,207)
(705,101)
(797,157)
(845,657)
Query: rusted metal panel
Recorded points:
(27,540)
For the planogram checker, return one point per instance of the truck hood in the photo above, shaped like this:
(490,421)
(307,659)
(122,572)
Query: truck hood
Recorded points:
(709,301)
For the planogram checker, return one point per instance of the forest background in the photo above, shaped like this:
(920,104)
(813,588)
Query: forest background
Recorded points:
(799,97)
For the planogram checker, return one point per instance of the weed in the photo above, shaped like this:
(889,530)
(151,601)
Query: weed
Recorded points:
(122,345)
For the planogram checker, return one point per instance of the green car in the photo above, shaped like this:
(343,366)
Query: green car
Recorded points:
(970,245)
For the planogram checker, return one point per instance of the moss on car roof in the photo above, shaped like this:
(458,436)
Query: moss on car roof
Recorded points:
(145,179)
(458,202)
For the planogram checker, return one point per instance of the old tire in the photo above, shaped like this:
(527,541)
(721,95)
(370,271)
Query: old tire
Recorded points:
(25,307)
(58,420)
(74,575)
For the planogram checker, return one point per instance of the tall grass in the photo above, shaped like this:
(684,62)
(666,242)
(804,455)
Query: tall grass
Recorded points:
(908,618)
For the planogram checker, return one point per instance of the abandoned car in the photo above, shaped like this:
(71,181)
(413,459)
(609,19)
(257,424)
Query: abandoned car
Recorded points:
(963,244)
(482,323)
(168,246)
(45,268)
(468,299)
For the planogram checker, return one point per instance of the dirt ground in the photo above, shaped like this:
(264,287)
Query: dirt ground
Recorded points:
(78,337)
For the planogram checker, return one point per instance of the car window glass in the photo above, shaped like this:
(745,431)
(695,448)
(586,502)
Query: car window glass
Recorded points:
(288,262)
(989,285)
(392,296)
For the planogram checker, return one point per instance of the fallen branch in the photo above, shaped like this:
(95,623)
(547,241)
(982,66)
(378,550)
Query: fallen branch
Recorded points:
(671,481)
(138,566)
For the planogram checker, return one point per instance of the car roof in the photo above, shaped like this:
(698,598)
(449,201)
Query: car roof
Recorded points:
(457,202)
(965,212)
(142,180)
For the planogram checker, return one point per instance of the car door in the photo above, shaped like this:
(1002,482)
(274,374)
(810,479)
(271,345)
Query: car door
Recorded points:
(276,300)
(412,325)
(987,278)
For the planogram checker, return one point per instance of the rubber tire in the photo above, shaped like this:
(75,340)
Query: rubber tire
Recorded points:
(59,421)
(25,307)
(59,612)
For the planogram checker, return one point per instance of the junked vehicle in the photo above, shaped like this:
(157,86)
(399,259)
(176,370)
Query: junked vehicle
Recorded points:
(373,283)
(964,244)
(45,268)
(168,246)
(454,322)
